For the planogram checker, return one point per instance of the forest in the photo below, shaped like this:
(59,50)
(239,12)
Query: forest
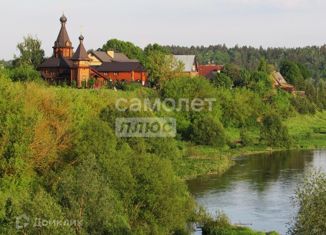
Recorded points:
(60,157)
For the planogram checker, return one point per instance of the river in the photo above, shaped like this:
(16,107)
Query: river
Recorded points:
(257,190)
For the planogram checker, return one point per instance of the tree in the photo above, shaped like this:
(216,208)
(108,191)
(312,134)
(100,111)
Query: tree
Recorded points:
(273,132)
(155,47)
(222,80)
(240,77)
(206,130)
(260,82)
(310,198)
(30,51)
(263,66)
(129,49)
(292,73)
(162,67)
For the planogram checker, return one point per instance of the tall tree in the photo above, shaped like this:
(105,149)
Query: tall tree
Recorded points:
(162,67)
(129,49)
(31,52)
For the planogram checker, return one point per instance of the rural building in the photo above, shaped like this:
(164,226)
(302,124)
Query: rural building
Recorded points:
(280,82)
(190,64)
(80,67)
(209,71)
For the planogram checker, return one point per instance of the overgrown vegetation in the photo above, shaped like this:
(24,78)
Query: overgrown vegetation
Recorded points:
(60,158)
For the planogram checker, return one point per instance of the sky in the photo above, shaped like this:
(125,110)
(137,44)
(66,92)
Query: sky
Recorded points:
(266,23)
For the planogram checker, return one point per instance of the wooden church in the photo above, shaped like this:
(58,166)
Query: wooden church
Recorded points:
(79,67)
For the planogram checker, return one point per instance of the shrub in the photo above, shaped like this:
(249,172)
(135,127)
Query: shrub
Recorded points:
(310,197)
(303,105)
(222,80)
(245,137)
(222,226)
(273,132)
(91,82)
(206,130)
(189,88)
(24,73)
(73,83)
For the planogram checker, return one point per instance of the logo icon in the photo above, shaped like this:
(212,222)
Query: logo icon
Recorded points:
(22,221)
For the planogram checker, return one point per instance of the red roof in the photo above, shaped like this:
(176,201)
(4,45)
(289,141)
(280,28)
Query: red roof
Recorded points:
(206,70)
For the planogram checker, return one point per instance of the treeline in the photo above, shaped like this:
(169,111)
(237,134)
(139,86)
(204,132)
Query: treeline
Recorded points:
(248,57)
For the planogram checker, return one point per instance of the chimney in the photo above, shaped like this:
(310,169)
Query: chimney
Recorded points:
(111,54)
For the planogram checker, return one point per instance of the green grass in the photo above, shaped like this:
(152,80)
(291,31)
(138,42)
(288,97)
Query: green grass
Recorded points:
(307,132)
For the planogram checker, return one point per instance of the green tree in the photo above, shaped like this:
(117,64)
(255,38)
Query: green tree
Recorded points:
(222,80)
(273,132)
(31,52)
(129,49)
(292,73)
(162,67)
(310,198)
(263,66)
(206,130)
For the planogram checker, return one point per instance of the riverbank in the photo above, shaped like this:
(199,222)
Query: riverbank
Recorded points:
(307,133)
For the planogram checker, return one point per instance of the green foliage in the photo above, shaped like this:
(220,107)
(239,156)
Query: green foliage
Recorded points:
(24,73)
(77,170)
(273,132)
(240,77)
(206,130)
(312,57)
(129,49)
(73,83)
(310,198)
(91,82)
(221,80)
(263,66)
(240,107)
(260,82)
(292,73)
(303,105)
(222,226)
(31,52)
(188,88)
(161,67)
(246,138)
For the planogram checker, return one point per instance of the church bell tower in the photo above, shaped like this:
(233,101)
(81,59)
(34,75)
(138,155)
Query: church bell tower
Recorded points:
(63,46)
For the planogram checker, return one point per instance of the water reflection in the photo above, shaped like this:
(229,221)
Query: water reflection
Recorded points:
(257,190)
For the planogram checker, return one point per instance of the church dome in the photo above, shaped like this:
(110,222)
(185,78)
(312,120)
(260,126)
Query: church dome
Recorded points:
(63,19)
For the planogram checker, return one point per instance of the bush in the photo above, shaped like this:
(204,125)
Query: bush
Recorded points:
(189,88)
(222,226)
(246,138)
(132,86)
(222,80)
(303,105)
(310,197)
(91,82)
(24,73)
(206,130)
(273,132)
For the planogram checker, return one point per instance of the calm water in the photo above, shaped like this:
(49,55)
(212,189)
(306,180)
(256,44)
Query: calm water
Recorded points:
(257,191)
